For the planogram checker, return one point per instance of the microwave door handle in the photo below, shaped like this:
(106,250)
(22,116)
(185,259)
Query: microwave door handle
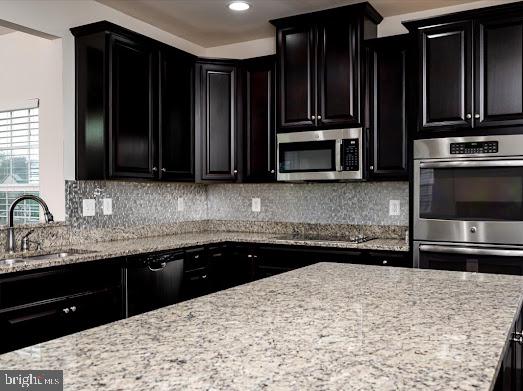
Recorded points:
(337,155)
(470,250)
(472,164)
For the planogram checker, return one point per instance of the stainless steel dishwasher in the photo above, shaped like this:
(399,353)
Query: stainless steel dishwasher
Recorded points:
(152,281)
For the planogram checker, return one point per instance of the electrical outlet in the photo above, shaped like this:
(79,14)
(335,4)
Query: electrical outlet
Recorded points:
(88,207)
(108,206)
(256,205)
(180,207)
(394,207)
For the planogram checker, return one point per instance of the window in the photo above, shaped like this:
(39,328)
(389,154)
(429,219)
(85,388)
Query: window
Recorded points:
(19,163)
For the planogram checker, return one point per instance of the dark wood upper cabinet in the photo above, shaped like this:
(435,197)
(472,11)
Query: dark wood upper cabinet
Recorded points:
(260,138)
(388,106)
(132,113)
(176,115)
(471,71)
(297,70)
(216,121)
(338,74)
(320,67)
(499,72)
(134,106)
(446,84)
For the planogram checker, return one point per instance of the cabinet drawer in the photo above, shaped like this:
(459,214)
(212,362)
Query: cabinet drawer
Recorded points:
(195,283)
(195,259)
(31,324)
(20,289)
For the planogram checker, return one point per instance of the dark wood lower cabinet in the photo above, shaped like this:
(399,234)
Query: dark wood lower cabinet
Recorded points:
(42,305)
(510,376)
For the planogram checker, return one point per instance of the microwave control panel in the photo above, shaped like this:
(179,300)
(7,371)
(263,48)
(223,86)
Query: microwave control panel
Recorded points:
(350,154)
(474,147)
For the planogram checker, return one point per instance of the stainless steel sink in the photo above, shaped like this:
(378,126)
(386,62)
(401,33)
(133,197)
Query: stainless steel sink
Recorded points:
(41,257)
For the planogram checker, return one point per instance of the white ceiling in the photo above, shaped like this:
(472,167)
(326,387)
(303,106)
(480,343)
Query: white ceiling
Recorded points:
(210,23)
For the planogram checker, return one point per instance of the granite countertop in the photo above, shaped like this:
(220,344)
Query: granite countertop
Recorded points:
(324,327)
(117,248)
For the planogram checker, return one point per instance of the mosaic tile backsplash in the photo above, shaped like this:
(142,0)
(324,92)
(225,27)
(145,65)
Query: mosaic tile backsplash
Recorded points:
(134,203)
(324,203)
(142,203)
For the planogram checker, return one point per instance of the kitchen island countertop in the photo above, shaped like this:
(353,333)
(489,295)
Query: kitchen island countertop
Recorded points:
(326,326)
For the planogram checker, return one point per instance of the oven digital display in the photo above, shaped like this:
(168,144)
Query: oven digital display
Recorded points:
(474,147)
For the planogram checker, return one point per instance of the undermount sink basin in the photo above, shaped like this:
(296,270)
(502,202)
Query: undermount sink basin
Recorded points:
(41,257)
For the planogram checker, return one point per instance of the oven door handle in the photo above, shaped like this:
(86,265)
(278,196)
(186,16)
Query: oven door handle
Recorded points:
(472,163)
(433,248)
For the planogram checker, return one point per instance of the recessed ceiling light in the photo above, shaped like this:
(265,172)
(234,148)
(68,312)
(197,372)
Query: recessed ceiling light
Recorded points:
(239,6)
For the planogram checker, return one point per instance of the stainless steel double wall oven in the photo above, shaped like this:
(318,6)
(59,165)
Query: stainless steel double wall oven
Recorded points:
(468,203)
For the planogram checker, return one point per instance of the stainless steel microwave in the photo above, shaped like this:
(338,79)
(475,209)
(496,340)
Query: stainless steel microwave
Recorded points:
(322,155)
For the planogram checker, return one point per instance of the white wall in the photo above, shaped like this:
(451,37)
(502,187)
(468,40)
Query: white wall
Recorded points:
(31,67)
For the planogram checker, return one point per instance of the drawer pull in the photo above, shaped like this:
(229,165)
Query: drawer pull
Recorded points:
(66,310)
(156,269)
(73,308)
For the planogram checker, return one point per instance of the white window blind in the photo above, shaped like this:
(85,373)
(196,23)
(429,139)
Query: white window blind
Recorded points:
(19,162)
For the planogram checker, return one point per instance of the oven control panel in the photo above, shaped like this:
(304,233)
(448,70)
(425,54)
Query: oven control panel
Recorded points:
(350,152)
(474,147)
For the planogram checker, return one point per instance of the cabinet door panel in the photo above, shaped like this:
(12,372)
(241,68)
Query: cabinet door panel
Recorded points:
(260,132)
(176,111)
(499,73)
(338,74)
(132,114)
(388,108)
(218,120)
(446,83)
(297,78)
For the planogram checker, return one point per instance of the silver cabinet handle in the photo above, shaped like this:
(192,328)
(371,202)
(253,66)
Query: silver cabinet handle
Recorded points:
(384,262)
(313,117)
(517,336)
(235,172)
(476,116)
(164,169)
(197,256)
(73,308)
(66,310)
(473,163)
(319,116)
(433,248)
(371,168)
(155,169)
(469,116)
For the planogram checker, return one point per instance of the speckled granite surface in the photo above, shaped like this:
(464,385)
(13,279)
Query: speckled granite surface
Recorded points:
(116,248)
(323,327)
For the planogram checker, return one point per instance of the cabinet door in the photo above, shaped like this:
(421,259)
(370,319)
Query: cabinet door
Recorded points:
(296,90)
(446,77)
(176,116)
(132,114)
(338,74)
(218,122)
(260,137)
(499,72)
(389,110)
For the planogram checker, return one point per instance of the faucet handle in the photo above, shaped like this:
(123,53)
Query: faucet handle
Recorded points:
(26,243)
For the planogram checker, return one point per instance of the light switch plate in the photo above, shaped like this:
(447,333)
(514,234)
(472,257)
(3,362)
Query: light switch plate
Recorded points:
(394,207)
(256,205)
(108,206)
(88,207)
(181,206)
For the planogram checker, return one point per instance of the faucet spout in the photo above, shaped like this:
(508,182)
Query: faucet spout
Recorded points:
(11,243)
